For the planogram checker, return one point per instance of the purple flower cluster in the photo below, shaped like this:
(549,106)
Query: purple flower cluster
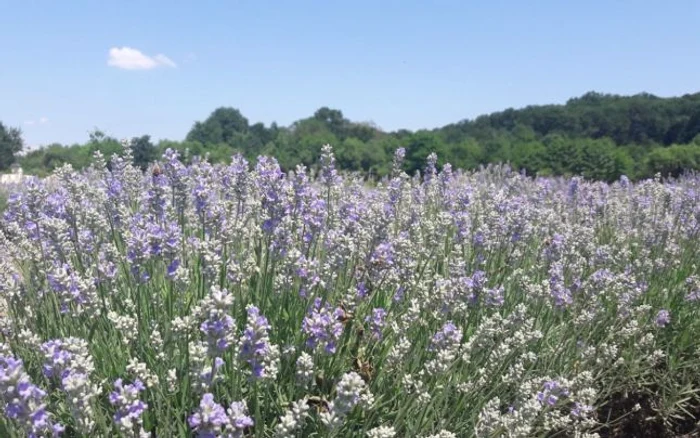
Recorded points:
(75,293)
(61,358)
(218,327)
(376,323)
(255,342)
(125,398)
(217,332)
(329,175)
(551,393)
(470,288)
(156,198)
(147,240)
(210,420)
(270,184)
(383,256)
(69,362)
(663,318)
(24,403)
(448,337)
(323,327)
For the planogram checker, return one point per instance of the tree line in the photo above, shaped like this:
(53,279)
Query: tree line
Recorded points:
(598,136)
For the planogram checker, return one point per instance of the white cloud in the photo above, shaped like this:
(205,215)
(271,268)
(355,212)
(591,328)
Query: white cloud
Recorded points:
(42,120)
(164,60)
(132,59)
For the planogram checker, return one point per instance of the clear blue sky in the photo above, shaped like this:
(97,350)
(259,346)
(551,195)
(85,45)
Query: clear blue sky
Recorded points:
(401,64)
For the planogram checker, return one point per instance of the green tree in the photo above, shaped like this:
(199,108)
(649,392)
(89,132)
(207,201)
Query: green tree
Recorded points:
(467,154)
(107,145)
(673,160)
(333,119)
(11,144)
(419,146)
(531,156)
(354,154)
(221,126)
(143,150)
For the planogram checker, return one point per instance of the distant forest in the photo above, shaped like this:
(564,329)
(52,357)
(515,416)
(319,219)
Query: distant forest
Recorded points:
(598,136)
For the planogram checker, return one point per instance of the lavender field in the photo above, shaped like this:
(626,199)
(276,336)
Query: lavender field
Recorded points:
(240,301)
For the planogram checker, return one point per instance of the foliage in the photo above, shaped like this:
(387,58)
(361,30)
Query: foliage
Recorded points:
(674,160)
(597,136)
(144,152)
(10,145)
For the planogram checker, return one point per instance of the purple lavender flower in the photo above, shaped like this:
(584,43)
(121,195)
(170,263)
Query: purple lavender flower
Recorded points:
(271,186)
(139,247)
(178,175)
(23,401)
(172,268)
(73,291)
(663,318)
(219,326)
(329,175)
(479,239)
(361,289)
(398,295)
(554,250)
(216,331)
(209,419)
(581,410)
(376,322)
(383,256)
(156,196)
(235,181)
(431,168)
(208,374)
(470,288)
(551,393)
(494,296)
(238,419)
(106,267)
(255,343)
(68,361)
(58,359)
(447,338)
(203,196)
(399,157)
(322,326)
(557,289)
(129,407)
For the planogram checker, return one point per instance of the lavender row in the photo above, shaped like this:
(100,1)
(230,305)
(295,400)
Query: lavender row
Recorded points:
(236,300)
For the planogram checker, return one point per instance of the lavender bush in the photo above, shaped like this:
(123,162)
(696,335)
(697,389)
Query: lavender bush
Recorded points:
(238,301)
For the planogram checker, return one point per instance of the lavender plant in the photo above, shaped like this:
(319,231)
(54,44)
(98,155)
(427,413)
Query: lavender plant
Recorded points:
(237,300)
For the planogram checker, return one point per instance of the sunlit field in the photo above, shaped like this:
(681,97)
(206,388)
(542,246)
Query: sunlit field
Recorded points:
(242,301)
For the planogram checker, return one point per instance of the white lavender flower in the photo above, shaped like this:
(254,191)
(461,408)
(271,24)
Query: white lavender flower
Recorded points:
(292,420)
(381,432)
(442,434)
(140,371)
(304,368)
(351,391)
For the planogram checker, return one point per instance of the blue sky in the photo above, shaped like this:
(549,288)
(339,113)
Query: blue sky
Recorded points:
(64,68)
